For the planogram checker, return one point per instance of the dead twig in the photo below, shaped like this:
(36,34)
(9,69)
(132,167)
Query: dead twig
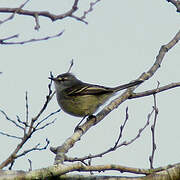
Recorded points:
(29,128)
(117,145)
(35,148)
(71,65)
(154,91)
(3,41)
(92,4)
(12,16)
(151,158)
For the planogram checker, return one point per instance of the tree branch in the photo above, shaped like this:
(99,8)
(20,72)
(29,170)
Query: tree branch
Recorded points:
(2,41)
(12,16)
(60,170)
(36,148)
(29,128)
(154,91)
(117,145)
(60,151)
(47,14)
(151,158)
(12,121)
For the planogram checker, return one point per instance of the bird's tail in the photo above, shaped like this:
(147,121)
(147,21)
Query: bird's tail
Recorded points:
(125,86)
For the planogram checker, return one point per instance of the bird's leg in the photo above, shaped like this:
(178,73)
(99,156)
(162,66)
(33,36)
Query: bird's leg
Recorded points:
(77,126)
(89,117)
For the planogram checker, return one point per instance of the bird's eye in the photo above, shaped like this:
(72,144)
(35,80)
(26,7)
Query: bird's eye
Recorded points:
(64,79)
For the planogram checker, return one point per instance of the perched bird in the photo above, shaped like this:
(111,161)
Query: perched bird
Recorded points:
(81,99)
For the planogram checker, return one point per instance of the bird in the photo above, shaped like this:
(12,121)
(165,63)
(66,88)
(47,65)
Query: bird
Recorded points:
(82,99)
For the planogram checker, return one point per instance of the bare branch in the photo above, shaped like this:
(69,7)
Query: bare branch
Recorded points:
(14,122)
(30,165)
(10,167)
(12,16)
(21,122)
(154,91)
(30,126)
(12,136)
(2,41)
(47,14)
(90,9)
(10,37)
(27,113)
(48,98)
(78,19)
(71,65)
(36,148)
(37,27)
(47,117)
(85,12)
(121,129)
(55,171)
(47,124)
(151,158)
(61,150)
(116,146)
(37,14)
(125,143)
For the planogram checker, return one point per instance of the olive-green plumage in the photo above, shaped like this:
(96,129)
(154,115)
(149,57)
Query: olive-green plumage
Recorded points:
(82,99)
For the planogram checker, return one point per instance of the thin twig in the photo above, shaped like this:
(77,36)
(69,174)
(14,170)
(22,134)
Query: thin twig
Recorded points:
(90,9)
(85,12)
(12,15)
(47,124)
(2,41)
(121,129)
(11,165)
(30,165)
(154,91)
(37,26)
(124,143)
(151,158)
(35,148)
(78,18)
(71,65)
(27,113)
(14,155)
(47,117)
(8,135)
(21,122)
(48,98)
(14,122)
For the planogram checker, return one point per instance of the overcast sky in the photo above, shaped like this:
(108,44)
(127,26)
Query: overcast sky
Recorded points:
(120,42)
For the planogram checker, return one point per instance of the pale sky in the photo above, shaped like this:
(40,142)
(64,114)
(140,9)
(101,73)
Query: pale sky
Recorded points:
(120,42)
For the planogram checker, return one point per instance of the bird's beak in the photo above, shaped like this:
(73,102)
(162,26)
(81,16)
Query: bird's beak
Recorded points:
(53,78)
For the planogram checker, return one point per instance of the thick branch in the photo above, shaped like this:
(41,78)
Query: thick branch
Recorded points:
(59,170)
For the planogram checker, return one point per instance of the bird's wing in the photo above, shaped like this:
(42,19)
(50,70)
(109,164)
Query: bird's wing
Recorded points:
(89,90)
